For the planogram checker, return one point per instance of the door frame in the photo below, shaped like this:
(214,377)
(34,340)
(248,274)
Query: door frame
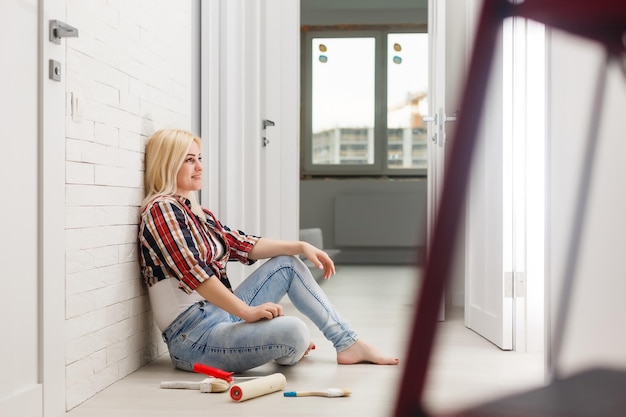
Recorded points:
(437,103)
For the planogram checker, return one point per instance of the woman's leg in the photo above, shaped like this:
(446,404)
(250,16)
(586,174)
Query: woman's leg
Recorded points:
(206,334)
(288,275)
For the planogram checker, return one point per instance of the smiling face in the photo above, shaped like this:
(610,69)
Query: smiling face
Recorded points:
(189,177)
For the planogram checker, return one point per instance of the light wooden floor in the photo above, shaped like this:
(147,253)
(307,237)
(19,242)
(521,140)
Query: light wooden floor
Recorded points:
(379,303)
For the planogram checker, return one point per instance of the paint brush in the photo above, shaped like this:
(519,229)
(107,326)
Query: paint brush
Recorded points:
(210,384)
(330,392)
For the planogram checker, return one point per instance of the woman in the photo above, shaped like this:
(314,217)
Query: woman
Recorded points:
(184,251)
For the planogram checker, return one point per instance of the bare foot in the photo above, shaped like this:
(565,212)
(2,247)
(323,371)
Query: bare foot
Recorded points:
(363,352)
(311,347)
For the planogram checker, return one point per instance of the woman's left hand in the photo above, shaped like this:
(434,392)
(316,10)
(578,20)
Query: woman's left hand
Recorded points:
(320,259)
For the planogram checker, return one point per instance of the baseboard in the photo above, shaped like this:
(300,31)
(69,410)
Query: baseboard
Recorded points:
(382,256)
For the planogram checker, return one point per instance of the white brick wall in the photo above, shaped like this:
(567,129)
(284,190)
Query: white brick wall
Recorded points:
(127,75)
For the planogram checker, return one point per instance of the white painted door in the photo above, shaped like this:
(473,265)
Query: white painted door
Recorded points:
(251,67)
(32,177)
(21,391)
(489,212)
(504,243)
(280,110)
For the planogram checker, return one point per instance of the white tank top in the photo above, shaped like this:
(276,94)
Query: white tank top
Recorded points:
(168,301)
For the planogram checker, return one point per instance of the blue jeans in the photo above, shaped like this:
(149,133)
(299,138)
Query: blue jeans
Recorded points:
(209,335)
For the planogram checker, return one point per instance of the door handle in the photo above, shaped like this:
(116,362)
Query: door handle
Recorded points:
(60,30)
(432,119)
(439,119)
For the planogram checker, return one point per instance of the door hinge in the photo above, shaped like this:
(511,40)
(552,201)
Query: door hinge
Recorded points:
(514,284)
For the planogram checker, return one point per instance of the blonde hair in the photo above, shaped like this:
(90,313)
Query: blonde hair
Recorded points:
(166,150)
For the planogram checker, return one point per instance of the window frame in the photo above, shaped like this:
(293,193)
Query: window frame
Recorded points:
(380,166)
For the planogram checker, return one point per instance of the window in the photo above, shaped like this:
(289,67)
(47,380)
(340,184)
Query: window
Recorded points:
(364,97)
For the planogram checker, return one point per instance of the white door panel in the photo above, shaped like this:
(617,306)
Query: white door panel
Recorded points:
(21,393)
(487,309)
(497,228)
(32,173)
(280,104)
(489,234)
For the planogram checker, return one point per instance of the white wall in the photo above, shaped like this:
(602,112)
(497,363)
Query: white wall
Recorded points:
(128,74)
(317,209)
(593,334)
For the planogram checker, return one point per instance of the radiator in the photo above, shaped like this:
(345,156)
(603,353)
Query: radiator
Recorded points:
(380,220)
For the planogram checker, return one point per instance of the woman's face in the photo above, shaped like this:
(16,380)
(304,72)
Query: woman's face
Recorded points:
(189,177)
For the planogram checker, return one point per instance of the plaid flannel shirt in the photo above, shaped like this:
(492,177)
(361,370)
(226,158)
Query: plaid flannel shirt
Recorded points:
(175,243)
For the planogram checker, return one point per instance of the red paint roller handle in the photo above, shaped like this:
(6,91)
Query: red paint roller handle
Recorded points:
(215,372)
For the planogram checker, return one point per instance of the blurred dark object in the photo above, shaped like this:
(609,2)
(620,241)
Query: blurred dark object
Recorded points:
(603,21)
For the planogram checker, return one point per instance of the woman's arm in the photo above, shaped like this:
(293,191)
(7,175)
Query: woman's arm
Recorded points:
(269,248)
(167,230)
(217,294)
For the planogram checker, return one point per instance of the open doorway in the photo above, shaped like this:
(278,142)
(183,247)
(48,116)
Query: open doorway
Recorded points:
(364,151)
(323,187)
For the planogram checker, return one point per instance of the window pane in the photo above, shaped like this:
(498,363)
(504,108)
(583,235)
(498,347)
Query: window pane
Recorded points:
(343,101)
(407,100)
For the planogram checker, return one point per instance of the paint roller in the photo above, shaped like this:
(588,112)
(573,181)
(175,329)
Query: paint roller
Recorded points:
(258,387)
(249,389)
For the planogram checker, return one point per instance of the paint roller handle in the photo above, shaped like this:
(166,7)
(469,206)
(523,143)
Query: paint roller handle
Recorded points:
(215,372)
(180,385)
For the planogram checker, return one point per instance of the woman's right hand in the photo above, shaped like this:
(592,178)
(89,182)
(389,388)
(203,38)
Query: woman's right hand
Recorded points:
(264,311)
(217,294)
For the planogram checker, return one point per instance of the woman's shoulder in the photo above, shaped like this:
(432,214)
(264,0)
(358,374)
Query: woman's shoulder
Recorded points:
(165,201)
